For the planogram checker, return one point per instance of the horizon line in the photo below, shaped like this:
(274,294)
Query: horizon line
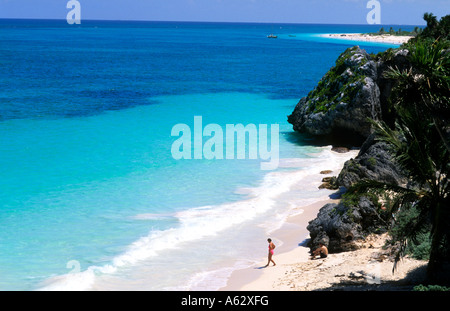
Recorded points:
(211,22)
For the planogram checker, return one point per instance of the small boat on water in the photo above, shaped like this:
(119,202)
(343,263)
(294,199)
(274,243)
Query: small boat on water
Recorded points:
(272,36)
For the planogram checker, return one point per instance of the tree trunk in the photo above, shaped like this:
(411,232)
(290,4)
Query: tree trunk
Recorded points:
(438,270)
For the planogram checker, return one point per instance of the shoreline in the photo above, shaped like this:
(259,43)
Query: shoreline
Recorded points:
(293,235)
(389,39)
(368,268)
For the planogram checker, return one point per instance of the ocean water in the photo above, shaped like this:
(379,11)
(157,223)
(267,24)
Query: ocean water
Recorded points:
(91,197)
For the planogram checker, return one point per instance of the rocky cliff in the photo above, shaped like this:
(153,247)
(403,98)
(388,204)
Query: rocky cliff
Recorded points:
(373,162)
(348,95)
(342,101)
(339,110)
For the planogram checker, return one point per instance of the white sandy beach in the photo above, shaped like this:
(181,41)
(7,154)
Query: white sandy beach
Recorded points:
(390,39)
(292,234)
(355,270)
(295,271)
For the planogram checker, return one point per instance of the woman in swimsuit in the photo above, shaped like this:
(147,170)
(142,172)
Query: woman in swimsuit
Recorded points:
(271,248)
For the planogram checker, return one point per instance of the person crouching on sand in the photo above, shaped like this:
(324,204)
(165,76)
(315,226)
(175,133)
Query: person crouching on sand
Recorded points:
(321,250)
(271,248)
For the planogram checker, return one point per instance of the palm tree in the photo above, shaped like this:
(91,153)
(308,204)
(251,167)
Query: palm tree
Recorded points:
(425,87)
(435,28)
(416,30)
(420,143)
(432,22)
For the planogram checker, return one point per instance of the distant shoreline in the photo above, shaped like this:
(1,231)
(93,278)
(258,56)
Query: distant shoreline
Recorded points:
(386,38)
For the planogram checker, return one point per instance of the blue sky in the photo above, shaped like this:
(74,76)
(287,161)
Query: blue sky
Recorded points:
(406,12)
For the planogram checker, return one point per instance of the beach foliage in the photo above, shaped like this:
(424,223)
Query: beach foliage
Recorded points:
(399,32)
(436,29)
(419,139)
(430,288)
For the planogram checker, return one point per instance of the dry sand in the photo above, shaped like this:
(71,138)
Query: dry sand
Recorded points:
(365,37)
(368,268)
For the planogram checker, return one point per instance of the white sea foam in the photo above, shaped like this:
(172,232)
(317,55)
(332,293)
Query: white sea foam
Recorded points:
(195,224)
(308,178)
(213,279)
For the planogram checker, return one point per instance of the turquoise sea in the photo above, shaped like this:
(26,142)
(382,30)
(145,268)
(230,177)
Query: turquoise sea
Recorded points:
(91,197)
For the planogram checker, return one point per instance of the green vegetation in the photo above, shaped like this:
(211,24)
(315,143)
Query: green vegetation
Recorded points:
(372,161)
(385,56)
(351,199)
(408,223)
(431,288)
(399,32)
(436,30)
(420,140)
(336,86)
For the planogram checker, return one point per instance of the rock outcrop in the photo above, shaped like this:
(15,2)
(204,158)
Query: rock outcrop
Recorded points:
(343,100)
(351,93)
(373,162)
(339,110)
(342,226)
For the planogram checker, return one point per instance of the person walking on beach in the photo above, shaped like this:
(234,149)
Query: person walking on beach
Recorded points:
(271,248)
